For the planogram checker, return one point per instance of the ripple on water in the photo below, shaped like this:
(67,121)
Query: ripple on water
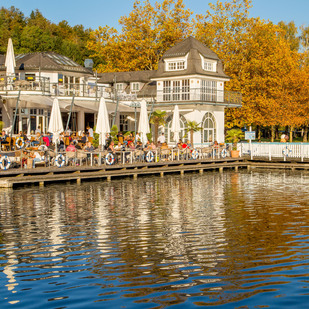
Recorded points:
(228,239)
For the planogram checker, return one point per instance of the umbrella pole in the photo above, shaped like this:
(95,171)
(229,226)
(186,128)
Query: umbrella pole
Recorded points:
(15,114)
(69,118)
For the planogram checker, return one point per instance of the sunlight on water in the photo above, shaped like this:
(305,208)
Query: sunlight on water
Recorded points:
(238,240)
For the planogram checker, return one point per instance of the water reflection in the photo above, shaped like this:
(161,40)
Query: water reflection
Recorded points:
(209,239)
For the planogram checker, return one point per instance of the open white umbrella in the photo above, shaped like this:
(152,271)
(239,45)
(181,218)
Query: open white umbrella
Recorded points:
(102,126)
(176,124)
(10,63)
(143,125)
(55,122)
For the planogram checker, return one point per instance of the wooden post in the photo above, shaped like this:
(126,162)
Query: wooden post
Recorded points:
(182,172)
(236,168)
(41,183)
(161,174)
(108,178)
(78,181)
(201,171)
(221,169)
(134,176)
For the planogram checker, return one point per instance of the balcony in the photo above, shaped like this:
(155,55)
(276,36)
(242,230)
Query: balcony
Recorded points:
(199,96)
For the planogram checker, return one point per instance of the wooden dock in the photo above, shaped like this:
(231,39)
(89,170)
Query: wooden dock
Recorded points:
(40,176)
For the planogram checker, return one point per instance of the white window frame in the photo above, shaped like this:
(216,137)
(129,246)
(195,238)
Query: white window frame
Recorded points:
(120,87)
(176,90)
(209,90)
(135,87)
(209,65)
(176,64)
(209,131)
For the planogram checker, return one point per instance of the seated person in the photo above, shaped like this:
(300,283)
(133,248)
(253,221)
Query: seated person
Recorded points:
(111,147)
(83,139)
(71,147)
(3,138)
(88,147)
(189,144)
(118,147)
(37,157)
(152,146)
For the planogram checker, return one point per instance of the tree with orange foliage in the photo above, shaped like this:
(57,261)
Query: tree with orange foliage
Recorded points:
(147,32)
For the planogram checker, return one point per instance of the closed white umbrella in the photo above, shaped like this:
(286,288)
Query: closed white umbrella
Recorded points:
(10,59)
(102,126)
(55,122)
(143,125)
(176,124)
(10,64)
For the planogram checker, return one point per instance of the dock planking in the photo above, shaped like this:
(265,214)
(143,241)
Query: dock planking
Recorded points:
(41,176)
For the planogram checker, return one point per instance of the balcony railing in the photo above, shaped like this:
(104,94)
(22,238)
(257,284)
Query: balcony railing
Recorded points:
(43,86)
(199,95)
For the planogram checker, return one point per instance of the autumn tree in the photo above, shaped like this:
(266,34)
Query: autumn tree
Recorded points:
(147,32)
(256,54)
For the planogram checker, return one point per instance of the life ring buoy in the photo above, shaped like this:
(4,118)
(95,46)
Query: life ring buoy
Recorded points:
(5,162)
(194,154)
(223,153)
(109,159)
(20,143)
(60,160)
(286,151)
(149,156)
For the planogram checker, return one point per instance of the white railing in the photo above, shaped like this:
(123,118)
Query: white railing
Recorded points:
(275,150)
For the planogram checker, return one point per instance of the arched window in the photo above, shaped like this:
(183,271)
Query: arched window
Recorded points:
(209,132)
(167,130)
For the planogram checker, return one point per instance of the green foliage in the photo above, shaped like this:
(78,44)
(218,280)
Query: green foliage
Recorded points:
(37,34)
(157,119)
(192,126)
(234,136)
(114,133)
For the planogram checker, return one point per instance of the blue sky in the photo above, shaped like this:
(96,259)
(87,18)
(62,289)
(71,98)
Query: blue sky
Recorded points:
(97,13)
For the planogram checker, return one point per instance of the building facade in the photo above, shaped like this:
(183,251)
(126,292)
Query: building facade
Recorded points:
(189,75)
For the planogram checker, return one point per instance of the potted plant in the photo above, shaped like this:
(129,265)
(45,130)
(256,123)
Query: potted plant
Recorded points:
(234,136)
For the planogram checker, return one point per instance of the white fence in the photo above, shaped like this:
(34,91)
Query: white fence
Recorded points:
(275,150)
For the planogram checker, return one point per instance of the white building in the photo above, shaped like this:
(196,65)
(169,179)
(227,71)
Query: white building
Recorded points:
(189,75)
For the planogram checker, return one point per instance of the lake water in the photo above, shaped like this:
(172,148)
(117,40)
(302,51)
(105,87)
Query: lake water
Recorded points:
(229,240)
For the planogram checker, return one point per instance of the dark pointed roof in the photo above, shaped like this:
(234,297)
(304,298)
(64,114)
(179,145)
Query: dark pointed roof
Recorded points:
(182,48)
(193,48)
(125,77)
(46,61)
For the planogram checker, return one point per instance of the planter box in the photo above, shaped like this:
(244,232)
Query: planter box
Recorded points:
(235,153)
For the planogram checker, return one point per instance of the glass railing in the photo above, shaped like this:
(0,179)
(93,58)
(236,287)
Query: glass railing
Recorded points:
(200,95)
(44,86)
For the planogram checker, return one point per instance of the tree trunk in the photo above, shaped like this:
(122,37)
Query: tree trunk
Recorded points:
(272,134)
(277,132)
(305,136)
(191,133)
(156,133)
(291,134)
(258,128)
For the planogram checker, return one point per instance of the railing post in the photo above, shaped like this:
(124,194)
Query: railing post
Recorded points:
(302,152)
(269,152)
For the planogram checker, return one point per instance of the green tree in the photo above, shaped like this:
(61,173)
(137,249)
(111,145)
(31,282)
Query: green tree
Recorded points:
(192,126)
(157,118)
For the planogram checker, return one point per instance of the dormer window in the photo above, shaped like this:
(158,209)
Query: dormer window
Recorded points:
(176,66)
(209,64)
(120,87)
(135,87)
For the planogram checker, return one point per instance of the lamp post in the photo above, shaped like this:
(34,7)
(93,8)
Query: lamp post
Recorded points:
(135,105)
